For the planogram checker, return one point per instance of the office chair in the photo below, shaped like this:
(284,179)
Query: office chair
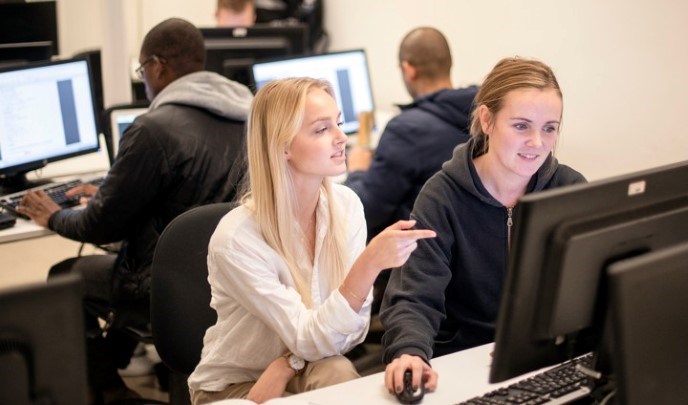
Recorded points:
(180,293)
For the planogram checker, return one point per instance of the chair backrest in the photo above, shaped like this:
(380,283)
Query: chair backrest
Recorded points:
(42,347)
(180,293)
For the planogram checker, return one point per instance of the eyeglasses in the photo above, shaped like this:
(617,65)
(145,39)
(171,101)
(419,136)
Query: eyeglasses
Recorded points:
(139,70)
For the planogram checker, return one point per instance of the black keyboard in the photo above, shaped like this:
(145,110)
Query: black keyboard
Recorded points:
(559,385)
(56,191)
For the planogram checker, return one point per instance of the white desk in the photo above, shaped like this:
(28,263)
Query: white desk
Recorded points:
(462,376)
(24,229)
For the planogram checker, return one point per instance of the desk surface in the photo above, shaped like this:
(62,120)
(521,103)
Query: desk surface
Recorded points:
(24,229)
(462,376)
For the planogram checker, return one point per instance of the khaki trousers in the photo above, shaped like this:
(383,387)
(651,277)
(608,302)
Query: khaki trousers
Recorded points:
(318,374)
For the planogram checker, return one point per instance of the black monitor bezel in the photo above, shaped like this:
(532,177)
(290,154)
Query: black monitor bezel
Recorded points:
(29,22)
(580,250)
(230,51)
(295,34)
(20,53)
(648,326)
(519,345)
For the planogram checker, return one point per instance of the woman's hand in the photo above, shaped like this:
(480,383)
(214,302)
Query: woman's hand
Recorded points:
(393,246)
(422,373)
(390,248)
(273,382)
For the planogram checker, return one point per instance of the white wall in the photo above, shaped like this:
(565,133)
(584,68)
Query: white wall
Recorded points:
(621,64)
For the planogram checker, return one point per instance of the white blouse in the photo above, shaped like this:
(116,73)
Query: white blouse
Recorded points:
(260,313)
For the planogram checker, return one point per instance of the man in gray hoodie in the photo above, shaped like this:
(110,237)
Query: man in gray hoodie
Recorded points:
(187,150)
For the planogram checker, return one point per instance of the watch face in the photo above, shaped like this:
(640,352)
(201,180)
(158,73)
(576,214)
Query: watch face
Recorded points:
(295,362)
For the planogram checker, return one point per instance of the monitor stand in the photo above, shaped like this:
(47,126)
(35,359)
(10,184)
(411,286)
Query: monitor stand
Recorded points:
(602,379)
(14,183)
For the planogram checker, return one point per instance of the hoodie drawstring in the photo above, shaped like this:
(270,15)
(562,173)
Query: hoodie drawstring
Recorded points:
(509,224)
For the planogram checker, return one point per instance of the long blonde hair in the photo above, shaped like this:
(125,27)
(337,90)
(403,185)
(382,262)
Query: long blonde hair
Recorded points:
(277,114)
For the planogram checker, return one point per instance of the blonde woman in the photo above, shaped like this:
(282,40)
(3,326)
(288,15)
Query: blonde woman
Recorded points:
(289,271)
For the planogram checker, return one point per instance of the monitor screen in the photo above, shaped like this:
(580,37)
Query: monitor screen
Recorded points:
(649,326)
(50,116)
(120,120)
(33,21)
(553,303)
(347,72)
(231,51)
(42,347)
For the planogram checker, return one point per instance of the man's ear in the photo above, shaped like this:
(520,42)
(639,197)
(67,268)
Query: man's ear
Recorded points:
(408,70)
(164,74)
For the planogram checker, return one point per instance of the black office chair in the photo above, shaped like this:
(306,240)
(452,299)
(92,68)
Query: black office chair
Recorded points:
(180,293)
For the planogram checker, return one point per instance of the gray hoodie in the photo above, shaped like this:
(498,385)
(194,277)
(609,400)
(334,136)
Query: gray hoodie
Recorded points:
(209,91)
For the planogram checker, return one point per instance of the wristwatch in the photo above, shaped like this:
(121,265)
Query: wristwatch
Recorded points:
(295,362)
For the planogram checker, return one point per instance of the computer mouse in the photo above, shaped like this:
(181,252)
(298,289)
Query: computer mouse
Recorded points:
(408,395)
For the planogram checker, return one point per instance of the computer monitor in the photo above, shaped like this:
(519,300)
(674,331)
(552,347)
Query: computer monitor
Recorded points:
(553,303)
(51,117)
(231,51)
(649,326)
(34,21)
(120,120)
(309,12)
(347,71)
(95,64)
(25,52)
(42,347)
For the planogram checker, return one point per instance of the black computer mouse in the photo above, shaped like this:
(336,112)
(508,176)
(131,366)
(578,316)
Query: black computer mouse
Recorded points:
(408,395)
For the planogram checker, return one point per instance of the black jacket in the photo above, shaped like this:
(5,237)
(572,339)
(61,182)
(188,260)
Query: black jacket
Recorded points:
(446,297)
(178,155)
(412,148)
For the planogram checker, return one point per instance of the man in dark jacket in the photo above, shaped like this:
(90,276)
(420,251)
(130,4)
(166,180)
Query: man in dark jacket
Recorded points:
(415,143)
(187,150)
